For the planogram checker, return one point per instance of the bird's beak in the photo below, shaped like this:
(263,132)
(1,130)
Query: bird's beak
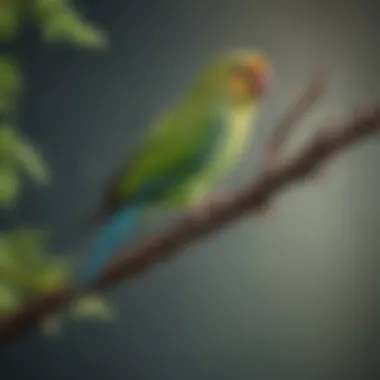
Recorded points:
(258,68)
(259,83)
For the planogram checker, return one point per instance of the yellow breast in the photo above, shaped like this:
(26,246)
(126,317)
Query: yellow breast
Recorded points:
(240,126)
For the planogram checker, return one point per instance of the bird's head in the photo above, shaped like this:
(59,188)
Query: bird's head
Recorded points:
(247,77)
(240,77)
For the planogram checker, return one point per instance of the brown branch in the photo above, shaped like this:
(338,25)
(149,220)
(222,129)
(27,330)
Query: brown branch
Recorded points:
(135,261)
(306,100)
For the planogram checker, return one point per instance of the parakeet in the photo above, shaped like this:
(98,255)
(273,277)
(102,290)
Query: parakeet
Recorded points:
(185,152)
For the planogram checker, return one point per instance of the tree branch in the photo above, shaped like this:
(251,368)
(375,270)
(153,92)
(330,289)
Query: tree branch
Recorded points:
(135,261)
(301,106)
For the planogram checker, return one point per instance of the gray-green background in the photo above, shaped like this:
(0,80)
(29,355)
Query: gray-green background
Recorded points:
(291,296)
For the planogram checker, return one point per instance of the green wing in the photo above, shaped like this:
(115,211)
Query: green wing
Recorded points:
(173,152)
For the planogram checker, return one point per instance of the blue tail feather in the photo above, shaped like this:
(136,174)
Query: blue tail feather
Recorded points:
(108,238)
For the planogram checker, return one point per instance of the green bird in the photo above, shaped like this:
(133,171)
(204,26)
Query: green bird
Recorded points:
(185,152)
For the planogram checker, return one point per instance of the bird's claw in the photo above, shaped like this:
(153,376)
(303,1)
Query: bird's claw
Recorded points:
(206,206)
(210,204)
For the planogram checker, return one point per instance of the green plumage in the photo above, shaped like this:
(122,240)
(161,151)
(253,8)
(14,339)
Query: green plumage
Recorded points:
(186,150)
(177,138)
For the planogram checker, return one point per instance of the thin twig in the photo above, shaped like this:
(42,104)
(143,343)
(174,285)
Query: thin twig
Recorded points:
(134,261)
(301,106)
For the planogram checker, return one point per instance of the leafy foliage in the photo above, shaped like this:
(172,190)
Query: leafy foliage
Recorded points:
(9,18)
(17,155)
(85,308)
(10,83)
(92,306)
(60,22)
(9,299)
(26,269)
(25,266)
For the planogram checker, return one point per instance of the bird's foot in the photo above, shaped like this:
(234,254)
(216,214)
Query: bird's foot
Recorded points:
(209,204)
(204,207)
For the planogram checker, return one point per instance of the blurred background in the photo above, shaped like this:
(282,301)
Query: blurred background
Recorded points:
(289,296)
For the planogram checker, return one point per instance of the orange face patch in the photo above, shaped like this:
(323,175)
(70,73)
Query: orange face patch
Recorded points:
(258,65)
(237,85)
(248,78)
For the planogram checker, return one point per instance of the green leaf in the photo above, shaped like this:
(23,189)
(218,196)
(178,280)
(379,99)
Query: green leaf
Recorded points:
(69,28)
(10,300)
(32,162)
(7,260)
(91,307)
(8,141)
(9,18)
(9,185)
(29,246)
(26,264)
(15,149)
(10,82)
(51,326)
(9,264)
(53,276)
(45,8)
(60,23)
(29,254)
(84,34)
